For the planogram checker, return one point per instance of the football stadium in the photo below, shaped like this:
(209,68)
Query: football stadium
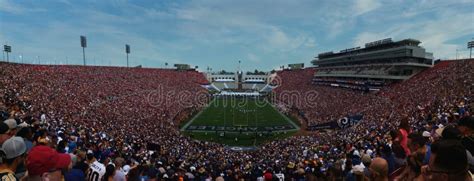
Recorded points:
(233,91)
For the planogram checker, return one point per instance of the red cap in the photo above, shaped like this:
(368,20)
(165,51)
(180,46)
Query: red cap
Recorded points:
(268,176)
(43,159)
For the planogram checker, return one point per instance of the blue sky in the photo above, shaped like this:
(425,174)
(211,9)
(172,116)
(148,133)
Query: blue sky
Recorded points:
(263,34)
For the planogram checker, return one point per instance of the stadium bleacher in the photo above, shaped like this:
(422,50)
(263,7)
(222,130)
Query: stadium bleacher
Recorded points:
(131,117)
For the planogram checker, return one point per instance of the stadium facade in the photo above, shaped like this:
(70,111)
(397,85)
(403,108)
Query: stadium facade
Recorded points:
(378,63)
(238,81)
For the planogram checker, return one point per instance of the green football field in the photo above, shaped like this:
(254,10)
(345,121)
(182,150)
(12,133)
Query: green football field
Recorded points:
(239,121)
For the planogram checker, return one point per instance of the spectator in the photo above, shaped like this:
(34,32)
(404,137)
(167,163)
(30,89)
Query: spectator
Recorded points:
(27,135)
(448,162)
(96,169)
(4,133)
(13,154)
(404,129)
(268,176)
(451,132)
(379,169)
(418,147)
(12,125)
(134,174)
(119,173)
(413,169)
(366,160)
(280,176)
(395,158)
(77,173)
(44,163)
(466,127)
(109,173)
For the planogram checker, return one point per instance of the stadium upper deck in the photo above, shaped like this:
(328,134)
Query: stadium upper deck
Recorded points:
(382,61)
(377,52)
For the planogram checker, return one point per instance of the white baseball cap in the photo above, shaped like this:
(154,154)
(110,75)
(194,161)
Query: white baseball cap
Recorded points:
(14,147)
(11,123)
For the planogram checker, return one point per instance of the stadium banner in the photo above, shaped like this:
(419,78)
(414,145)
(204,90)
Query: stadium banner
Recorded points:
(349,121)
(342,123)
(328,125)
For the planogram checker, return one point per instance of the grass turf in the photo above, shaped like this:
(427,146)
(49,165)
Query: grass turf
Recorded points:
(239,112)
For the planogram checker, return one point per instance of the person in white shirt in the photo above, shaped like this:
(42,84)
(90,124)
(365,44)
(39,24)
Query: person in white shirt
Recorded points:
(96,169)
(280,176)
(43,119)
(119,172)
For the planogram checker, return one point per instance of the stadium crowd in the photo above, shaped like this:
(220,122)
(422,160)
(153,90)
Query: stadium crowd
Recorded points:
(103,123)
(327,103)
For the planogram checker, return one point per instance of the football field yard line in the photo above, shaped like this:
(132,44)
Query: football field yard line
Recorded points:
(284,116)
(197,115)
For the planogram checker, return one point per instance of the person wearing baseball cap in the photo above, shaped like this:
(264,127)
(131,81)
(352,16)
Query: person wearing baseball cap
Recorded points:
(13,154)
(43,163)
(466,127)
(12,125)
(4,130)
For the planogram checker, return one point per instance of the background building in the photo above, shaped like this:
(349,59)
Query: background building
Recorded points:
(378,63)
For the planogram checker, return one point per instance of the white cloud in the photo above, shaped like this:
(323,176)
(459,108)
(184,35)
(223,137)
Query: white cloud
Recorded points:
(427,6)
(277,38)
(435,34)
(67,2)
(10,7)
(253,58)
(366,37)
(310,42)
(212,25)
(279,41)
(364,6)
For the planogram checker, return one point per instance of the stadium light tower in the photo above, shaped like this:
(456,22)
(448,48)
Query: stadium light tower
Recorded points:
(8,49)
(127,51)
(240,68)
(457,54)
(84,45)
(470,45)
